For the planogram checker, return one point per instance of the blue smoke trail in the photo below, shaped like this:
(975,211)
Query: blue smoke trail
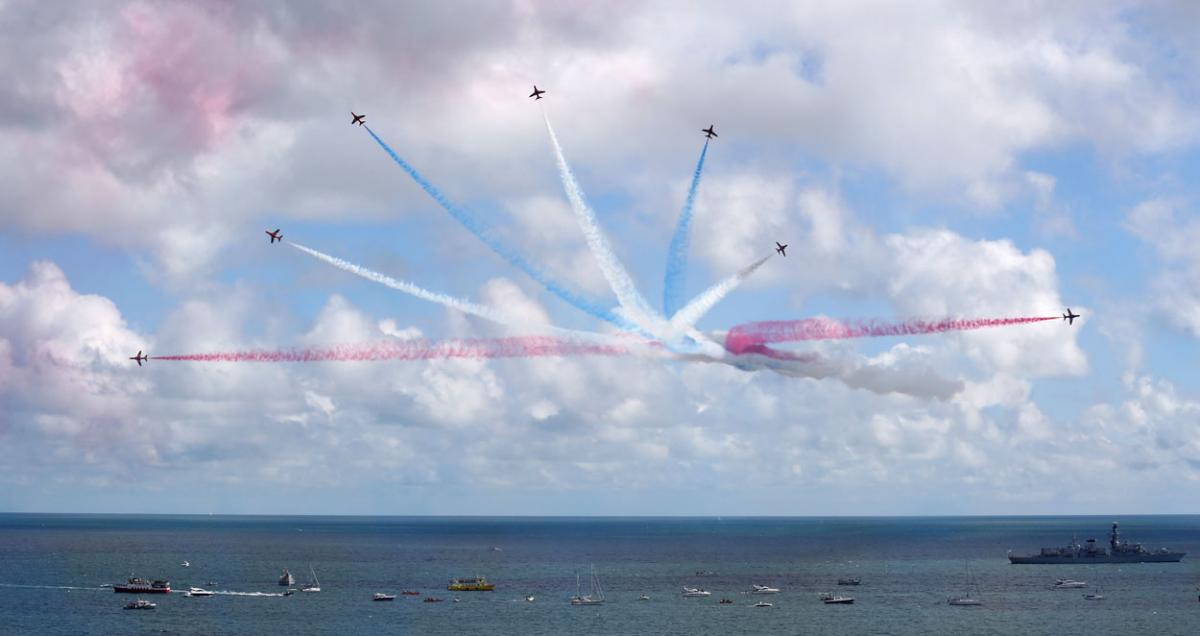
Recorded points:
(483,233)
(677,253)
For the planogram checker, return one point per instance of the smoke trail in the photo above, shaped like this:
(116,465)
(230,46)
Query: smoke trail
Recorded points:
(693,311)
(465,306)
(618,279)
(484,233)
(677,254)
(417,349)
(741,337)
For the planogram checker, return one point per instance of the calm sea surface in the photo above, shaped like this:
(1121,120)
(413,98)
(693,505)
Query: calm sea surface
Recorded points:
(52,568)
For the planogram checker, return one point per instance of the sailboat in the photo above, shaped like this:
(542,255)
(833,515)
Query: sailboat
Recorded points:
(972,597)
(315,586)
(596,597)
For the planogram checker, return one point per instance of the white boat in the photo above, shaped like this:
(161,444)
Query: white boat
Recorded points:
(762,604)
(970,599)
(1094,596)
(831,599)
(643,598)
(315,586)
(186,564)
(198,591)
(380,596)
(693,592)
(529,599)
(141,604)
(1069,584)
(595,597)
(764,589)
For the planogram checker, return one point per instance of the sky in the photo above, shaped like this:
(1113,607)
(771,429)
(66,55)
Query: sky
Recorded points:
(922,160)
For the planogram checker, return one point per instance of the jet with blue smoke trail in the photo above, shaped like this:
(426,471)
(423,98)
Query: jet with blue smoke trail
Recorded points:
(673,281)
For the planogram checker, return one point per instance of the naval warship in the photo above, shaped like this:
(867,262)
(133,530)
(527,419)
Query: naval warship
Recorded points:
(1090,552)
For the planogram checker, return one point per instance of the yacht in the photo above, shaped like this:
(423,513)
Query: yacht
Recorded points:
(595,597)
(198,591)
(1069,584)
(693,592)
(141,604)
(286,578)
(315,586)
(831,599)
(971,598)
(764,589)
(380,596)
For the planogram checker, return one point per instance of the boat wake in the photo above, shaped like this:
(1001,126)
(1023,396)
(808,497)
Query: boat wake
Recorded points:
(57,587)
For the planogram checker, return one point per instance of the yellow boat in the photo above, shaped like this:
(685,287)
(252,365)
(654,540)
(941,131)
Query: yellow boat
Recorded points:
(477,584)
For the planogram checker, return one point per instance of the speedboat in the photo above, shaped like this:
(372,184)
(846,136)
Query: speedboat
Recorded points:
(289,592)
(141,604)
(764,589)
(963,601)
(643,598)
(380,596)
(529,599)
(198,591)
(762,604)
(830,599)
(1069,584)
(1093,596)
(186,564)
(693,592)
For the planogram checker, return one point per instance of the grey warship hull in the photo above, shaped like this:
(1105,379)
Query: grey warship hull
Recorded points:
(1037,559)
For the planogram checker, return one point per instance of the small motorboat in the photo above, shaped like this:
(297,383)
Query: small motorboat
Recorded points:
(198,591)
(764,589)
(380,596)
(693,592)
(211,583)
(432,599)
(963,601)
(529,599)
(141,604)
(725,601)
(762,604)
(643,598)
(836,599)
(289,592)
(411,593)
(1069,584)
(186,564)
(1093,596)
(850,580)
(456,599)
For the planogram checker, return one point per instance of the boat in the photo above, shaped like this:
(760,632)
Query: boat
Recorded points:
(693,592)
(762,604)
(287,578)
(379,596)
(970,599)
(140,604)
(595,597)
(198,591)
(138,585)
(186,564)
(850,580)
(763,589)
(411,593)
(529,599)
(477,584)
(211,583)
(643,598)
(1094,596)
(289,592)
(1118,551)
(725,601)
(832,599)
(431,599)
(315,586)
(1069,584)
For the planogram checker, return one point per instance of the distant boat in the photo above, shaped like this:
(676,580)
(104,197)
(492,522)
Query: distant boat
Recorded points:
(595,597)
(289,592)
(831,599)
(287,578)
(198,591)
(850,580)
(379,596)
(138,585)
(1069,584)
(477,584)
(643,598)
(972,597)
(315,586)
(762,604)
(432,599)
(411,593)
(694,592)
(1094,596)
(529,599)
(725,601)
(186,564)
(763,589)
(141,604)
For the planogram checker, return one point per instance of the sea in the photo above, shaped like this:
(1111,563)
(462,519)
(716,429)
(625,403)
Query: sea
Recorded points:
(54,569)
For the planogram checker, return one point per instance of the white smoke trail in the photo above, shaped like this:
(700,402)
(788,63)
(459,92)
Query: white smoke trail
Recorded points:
(636,307)
(692,312)
(465,306)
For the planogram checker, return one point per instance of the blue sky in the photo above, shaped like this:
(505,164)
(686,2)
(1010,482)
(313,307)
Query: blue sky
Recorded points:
(936,160)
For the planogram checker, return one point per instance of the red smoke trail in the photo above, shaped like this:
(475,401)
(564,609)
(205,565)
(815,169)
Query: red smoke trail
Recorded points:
(744,338)
(419,349)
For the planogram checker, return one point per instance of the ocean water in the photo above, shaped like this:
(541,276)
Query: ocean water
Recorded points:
(52,568)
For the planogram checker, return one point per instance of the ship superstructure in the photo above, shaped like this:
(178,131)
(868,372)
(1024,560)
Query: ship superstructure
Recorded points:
(1118,551)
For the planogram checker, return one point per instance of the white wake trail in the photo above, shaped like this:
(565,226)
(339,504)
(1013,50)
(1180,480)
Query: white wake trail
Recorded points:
(691,313)
(465,306)
(618,279)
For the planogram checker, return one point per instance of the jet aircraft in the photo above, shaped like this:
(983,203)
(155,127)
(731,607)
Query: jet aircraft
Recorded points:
(275,236)
(536,94)
(1070,317)
(781,248)
(140,358)
(709,132)
(358,119)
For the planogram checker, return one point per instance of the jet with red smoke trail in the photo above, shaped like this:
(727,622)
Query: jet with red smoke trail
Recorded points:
(275,236)
(140,358)
(1070,317)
